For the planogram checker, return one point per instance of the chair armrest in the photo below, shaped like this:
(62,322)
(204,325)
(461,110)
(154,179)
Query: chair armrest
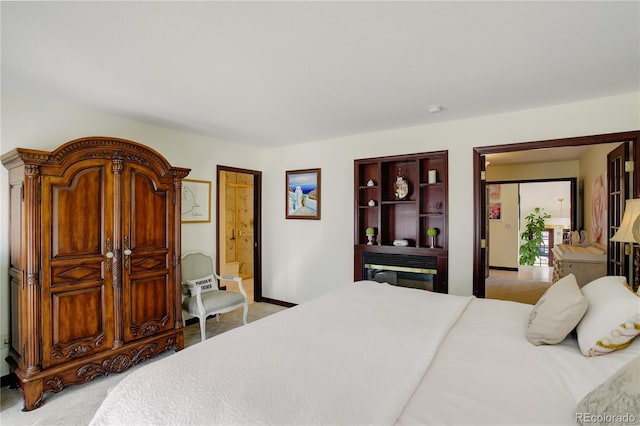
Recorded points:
(193,290)
(236,279)
(229,278)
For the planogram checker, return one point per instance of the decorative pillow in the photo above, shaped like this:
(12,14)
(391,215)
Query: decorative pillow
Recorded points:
(615,401)
(613,318)
(557,312)
(207,283)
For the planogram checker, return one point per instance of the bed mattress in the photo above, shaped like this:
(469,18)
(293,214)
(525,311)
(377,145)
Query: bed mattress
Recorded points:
(368,353)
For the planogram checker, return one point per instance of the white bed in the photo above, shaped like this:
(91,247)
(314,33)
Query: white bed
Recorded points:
(369,353)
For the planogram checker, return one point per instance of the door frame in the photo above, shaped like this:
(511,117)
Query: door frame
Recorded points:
(257,224)
(479,187)
(618,182)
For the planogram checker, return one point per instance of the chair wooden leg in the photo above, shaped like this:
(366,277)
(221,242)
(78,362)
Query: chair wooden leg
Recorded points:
(244,315)
(203,328)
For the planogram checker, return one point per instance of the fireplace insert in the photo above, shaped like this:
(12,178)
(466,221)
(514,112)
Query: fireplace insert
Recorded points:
(400,269)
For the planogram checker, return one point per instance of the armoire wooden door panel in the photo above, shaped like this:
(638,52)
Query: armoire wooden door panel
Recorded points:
(149,306)
(147,276)
(148,212)
(72,271)
(75,208)
(77,225)
(147,263)
(86,306)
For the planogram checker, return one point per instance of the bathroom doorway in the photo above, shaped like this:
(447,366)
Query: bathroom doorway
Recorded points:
(238,224)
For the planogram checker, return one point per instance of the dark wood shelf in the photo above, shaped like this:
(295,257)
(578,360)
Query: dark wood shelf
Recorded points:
(398,202)
(406,219)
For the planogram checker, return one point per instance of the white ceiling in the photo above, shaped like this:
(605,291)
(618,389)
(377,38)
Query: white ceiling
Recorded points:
(278,73)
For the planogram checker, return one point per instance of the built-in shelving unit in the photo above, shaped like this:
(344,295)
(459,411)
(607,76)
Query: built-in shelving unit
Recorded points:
(407,218)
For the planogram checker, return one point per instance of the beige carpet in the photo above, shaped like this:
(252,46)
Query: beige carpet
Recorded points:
(507,285)
(77,404)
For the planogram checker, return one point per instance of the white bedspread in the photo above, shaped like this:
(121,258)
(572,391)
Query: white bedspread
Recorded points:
(353,356)
(487,373)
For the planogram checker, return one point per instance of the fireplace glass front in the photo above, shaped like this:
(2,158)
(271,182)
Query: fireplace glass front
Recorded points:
(401,270)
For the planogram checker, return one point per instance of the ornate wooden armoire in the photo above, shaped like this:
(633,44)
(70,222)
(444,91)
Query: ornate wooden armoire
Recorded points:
(94,261)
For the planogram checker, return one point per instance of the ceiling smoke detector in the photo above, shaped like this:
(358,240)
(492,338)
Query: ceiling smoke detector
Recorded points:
(434,109)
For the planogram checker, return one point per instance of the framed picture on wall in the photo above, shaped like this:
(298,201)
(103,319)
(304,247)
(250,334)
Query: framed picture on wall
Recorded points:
(303,194)
(494,191)
(196,201)
(495,211)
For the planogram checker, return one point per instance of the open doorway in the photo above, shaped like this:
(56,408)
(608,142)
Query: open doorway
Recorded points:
(238,225)
(480,255)
(509,203)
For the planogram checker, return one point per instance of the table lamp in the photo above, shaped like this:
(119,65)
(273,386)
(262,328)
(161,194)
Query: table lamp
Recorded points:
(629,232)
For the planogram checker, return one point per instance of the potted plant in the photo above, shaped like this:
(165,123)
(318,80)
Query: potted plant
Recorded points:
(370,233)
(432,232)
(531,236)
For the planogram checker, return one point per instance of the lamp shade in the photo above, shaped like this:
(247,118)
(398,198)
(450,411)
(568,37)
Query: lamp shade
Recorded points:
(629,231)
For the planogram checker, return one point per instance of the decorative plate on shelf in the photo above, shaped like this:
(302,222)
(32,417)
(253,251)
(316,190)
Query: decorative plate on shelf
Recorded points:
(400,243)
(401,188)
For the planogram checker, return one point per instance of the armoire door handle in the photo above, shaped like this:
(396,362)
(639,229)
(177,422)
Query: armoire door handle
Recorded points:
(127,252)
(109,254)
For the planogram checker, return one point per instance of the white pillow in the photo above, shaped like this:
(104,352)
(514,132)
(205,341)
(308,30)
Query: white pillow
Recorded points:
(557,312)
(207,283)
(615,401)
(612,320)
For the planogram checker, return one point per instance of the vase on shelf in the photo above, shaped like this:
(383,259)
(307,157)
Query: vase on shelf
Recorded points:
(400,186)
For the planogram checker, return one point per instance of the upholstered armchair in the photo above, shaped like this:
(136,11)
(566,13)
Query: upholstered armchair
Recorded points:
(203,295)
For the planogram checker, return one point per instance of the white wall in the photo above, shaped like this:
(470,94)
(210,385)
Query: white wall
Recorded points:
(302,258)
(545,195)
(504,234)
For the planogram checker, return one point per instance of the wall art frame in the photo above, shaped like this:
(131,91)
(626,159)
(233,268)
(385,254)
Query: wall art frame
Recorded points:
(303,196)
(495,211)
(196,201)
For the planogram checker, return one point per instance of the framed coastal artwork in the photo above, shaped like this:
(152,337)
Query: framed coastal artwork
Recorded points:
(303,194)
(196,201)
